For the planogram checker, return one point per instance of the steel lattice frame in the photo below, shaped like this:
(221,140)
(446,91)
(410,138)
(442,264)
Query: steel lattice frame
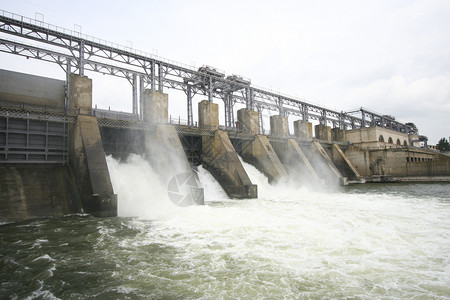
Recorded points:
(76,53)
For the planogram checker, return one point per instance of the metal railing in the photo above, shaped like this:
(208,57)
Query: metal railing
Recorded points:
(80,35)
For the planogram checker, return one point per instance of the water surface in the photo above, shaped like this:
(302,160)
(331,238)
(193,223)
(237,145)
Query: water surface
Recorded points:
(364,241)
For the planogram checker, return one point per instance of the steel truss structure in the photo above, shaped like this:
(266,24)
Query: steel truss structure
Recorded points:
(76,53)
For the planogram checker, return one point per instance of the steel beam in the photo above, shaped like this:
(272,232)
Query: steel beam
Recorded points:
(83,53)
(135,94)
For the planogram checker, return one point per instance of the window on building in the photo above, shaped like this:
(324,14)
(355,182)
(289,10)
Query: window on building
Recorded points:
(390,141)
(405,143)
(381,139)
(398,142)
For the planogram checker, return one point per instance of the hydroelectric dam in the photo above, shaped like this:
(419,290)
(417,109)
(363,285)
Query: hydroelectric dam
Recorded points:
(53,142)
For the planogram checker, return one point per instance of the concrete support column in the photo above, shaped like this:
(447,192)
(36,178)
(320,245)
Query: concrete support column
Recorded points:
(338,135)
(303,129)
(167,157)
(325,166)
(343,164)
(323,132)
(220,158)
(279,126)
(156,106)
(296,162)
(80,94)
(208,115)
(259,152)
(248,121)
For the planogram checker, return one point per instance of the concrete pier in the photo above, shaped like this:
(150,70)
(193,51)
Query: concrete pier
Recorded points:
(208,115)
(279,127)
(259,153)
(338,135)
(248,121)
(166,155)
(87,157)
(343,164)
(80,94)
(324,166)
(220,158)
(323,132)
(90,164)
(296,163)
(303,130)
(156,107)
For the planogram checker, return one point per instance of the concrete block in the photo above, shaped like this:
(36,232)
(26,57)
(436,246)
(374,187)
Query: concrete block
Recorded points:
(220,158)
(260,154)
(279,126)
(87,158)
(80,94)
(208,115)
(338,135)
(248,121)
(167,157)
(323,164)
(156,107)
(343,164)
(296,162)
(303,129)
(323,132)
(30,90)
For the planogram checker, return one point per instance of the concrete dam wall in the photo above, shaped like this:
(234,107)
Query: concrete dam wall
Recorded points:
(33,191)
(53,163)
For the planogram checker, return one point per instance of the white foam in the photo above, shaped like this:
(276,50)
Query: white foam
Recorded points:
(291,241)
(139,188)
(44,257)
(212,189)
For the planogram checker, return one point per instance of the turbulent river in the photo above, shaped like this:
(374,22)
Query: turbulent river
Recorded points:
(363,241)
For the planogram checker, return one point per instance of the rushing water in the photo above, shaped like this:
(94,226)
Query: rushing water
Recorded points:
(364,241)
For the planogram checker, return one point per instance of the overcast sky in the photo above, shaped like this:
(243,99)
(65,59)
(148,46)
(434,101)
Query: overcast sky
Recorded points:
(390,56)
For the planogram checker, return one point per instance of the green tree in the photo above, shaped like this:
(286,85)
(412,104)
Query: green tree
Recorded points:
(443,145)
